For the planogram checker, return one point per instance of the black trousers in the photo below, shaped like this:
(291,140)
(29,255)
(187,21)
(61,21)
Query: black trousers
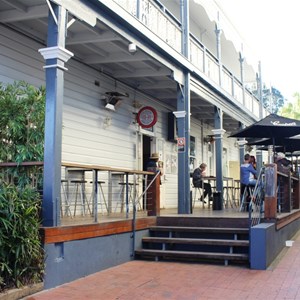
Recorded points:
(207,189)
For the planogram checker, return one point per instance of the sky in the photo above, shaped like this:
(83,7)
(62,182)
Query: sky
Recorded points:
(271,28)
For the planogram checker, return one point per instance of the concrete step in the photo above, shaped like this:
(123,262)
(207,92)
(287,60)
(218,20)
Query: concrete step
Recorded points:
(196,241)
(191,255)
(199,229)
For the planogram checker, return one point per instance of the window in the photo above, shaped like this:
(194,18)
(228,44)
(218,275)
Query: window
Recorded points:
(192,153)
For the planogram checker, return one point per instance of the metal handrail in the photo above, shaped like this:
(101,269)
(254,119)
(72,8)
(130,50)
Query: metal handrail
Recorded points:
(134,209)
(256,203)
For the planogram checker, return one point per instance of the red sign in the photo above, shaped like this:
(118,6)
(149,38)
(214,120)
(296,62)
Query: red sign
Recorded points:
(181,144)
(147,117)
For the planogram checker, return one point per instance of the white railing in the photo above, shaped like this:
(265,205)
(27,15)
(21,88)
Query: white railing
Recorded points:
(161,22)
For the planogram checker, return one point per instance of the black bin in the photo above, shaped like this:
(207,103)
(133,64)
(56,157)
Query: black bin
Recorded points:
(217,201)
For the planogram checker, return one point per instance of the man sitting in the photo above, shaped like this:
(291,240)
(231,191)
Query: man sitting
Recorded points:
(198,175)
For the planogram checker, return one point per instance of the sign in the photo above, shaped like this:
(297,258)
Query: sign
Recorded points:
(147,117)
(181,144)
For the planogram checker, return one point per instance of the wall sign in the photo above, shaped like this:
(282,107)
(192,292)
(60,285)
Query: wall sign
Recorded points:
(181,144)
(147,117)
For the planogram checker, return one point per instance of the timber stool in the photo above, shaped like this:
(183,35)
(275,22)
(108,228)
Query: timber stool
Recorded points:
(79,192)
(122,195)
(100,199)
(66,203)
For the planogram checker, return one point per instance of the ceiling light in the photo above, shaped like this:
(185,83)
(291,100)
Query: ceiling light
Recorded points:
(132,48)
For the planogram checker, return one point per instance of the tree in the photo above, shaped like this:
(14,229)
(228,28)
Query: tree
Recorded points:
(292,109)
(272,98)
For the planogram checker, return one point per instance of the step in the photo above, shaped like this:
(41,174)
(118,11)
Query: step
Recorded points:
(192,241)
(192,254)
(199,229)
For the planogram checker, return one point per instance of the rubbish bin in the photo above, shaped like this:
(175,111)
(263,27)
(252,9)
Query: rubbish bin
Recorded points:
(217,201)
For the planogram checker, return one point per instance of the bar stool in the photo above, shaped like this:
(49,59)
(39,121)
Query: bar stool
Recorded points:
(79,192)
(131,188)
(66,203)
(236,193)
(228,193)
(99,199)
(198,190)
(247,193)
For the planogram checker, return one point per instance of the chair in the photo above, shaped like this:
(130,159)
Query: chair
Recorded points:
(100,200)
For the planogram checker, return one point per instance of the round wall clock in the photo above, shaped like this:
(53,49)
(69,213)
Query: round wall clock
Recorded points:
(147,117)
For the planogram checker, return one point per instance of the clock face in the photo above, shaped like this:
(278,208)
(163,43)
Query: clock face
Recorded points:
(147,117)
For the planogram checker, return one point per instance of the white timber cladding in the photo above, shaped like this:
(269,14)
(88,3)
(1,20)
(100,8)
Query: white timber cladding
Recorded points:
(92,134)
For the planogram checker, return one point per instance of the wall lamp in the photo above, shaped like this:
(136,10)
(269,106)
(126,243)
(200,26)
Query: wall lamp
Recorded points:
(114,99)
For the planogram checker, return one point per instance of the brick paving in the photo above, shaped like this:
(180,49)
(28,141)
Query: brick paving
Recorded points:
(144,280)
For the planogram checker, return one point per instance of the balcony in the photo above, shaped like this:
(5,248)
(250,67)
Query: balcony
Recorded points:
(167,27)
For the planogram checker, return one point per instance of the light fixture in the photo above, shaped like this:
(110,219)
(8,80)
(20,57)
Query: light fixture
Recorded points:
(209,139)
(110,106)
(132,48)
(114,99)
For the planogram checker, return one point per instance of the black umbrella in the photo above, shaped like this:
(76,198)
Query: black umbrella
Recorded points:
(281,144)
(271,126)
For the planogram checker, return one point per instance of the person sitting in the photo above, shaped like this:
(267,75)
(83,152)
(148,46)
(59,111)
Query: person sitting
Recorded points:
(248,172)
(198,175)
(283,164)
(247,176)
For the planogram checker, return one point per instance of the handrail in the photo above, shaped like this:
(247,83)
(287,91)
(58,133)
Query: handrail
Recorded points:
(255,205)
(134,209)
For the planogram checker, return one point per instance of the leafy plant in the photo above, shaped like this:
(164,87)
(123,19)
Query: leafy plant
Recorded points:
(21,255)
(22,117)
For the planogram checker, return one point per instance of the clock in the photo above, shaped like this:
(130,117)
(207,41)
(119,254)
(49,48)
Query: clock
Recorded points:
(147,117)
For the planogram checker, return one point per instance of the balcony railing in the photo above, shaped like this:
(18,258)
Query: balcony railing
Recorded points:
(163,23)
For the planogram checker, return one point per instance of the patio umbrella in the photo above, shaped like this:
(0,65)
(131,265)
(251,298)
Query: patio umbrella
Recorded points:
(281,144)
(272,126)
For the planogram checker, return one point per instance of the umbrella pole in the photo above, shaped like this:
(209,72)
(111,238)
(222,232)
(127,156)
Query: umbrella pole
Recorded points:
(270,154)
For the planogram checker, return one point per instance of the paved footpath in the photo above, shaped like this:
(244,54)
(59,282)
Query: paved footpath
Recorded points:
(143,280)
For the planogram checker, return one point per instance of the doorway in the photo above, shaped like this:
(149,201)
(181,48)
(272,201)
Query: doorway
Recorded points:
(146,150)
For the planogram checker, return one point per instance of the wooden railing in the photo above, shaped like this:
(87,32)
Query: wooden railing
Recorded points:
(282,192)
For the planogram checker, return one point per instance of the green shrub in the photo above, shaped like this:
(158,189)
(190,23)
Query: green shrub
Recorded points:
(21,255)
(22,118)
(22,122)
